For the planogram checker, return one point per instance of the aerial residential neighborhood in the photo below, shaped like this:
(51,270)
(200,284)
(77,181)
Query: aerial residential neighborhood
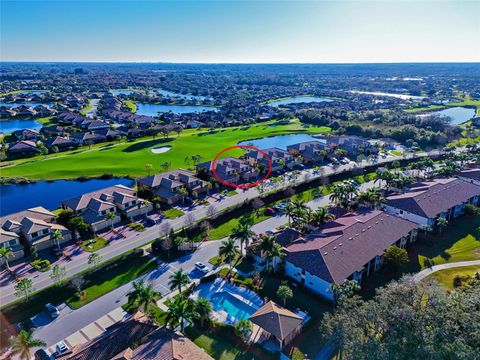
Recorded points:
(237,180)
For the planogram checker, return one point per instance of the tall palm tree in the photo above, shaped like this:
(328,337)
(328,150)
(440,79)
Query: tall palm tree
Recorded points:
(228,250)
(56,237)
(109,217)
(242,232)
(144,204)
(289,211)
(441,223)
(321,216)
(143,296)
(203,308)
(177,280)
(23,343)
(5,253)
(179,310)
(372,196)
(270,248)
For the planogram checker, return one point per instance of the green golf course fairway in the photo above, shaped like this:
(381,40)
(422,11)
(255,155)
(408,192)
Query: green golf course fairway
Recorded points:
(129,158)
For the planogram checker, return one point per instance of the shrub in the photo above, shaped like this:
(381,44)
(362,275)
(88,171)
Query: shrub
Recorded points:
(471,210)
(41,264)
(457,281)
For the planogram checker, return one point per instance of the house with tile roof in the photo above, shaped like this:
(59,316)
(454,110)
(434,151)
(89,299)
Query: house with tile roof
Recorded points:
(137,338)
(470,175)
(34,227)
(426,201)
(349,247)
(94,206)
(310,151)
(231,169)
(280,159)
(167,186)
(24,147)
(61,142)
(11,240)
(27,134)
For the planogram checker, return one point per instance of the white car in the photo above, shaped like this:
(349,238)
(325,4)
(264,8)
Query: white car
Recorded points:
(202,267)
(52,311)
(61,348)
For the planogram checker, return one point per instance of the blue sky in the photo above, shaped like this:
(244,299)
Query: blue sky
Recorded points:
(240,31)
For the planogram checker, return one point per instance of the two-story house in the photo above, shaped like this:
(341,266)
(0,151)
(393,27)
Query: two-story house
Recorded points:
(231,169)
(311,152)
(281,159)
(34,227)
(426,201)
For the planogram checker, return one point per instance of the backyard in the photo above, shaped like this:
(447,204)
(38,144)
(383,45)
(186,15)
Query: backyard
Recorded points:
(129,158)
(445,277)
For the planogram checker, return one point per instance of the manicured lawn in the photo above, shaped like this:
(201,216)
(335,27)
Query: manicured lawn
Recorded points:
(467,101)
(395,152)
(232,193)
(86,109)
(129,158)
(225,229)
(459,242)
(131,105)
(427,108)
(445,277)
(221,346)
(173,213)
(109,280)
(94,244)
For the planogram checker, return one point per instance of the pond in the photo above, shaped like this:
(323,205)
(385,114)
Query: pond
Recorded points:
(123,92)
(9,126)
(31,104)
(298,100)
(167,93)
(49,194)
(457,115)
(154,109)
(280,141)
(398,96)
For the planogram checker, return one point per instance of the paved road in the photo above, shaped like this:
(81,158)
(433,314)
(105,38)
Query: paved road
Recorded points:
(79,262)
(424,273)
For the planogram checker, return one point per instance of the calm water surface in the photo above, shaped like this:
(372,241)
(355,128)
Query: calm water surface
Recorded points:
(49,194)
(298,100)
(31,104)
(154,109)
(280,141)
(9,126)
(457,115)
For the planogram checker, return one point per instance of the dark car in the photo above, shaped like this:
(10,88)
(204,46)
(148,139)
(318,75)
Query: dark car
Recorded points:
(42,354)
(56,251)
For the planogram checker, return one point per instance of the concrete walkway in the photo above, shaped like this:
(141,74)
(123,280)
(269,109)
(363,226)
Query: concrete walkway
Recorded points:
(424,273)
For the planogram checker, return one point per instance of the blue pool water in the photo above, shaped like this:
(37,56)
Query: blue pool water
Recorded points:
(231,305)
(280,141)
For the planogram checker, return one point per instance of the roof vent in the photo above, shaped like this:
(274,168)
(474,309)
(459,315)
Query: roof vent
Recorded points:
(334,248)
(381,219)
(340,244)
(350,238)
(325,253)
(363,230)
(369,226)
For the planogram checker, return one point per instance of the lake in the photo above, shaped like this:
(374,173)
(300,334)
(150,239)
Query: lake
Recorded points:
(183,96)
(9,126)
(280,141)
(457,115)
(49,194)
(398,96)
(123,92)
(31,104)
(154,109)
(298,100)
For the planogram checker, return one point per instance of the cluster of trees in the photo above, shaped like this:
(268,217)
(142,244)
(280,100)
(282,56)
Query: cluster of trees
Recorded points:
(407,320)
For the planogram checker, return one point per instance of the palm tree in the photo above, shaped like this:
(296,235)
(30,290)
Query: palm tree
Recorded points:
(203,308)
(178,279)
(143,296)
(109,218)
(372,196)
(270,248)
(149,168)
(5,253)
(243,328)
(228,250)
(23,343)
(244,233)
(289,211)
(144,205)
(56,237)
(284,293)
(441,223)
(182,191)
(321,216)
(179,310)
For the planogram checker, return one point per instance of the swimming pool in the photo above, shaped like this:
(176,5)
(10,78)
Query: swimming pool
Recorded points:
(231,305)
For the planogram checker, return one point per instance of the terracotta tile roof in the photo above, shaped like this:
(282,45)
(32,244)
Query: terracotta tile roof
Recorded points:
(345,245)
(473,174)
(36,213)
(81,202)
(430,198)
(276,320)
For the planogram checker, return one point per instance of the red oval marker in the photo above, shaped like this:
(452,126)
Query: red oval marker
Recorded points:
(236,186)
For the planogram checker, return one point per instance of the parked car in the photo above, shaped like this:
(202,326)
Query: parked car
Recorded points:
(61,348)
(151,221)
(269,232)
(42,354)
(269,211)
(52,311)
(280,207)
(202,267)
(344,161)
